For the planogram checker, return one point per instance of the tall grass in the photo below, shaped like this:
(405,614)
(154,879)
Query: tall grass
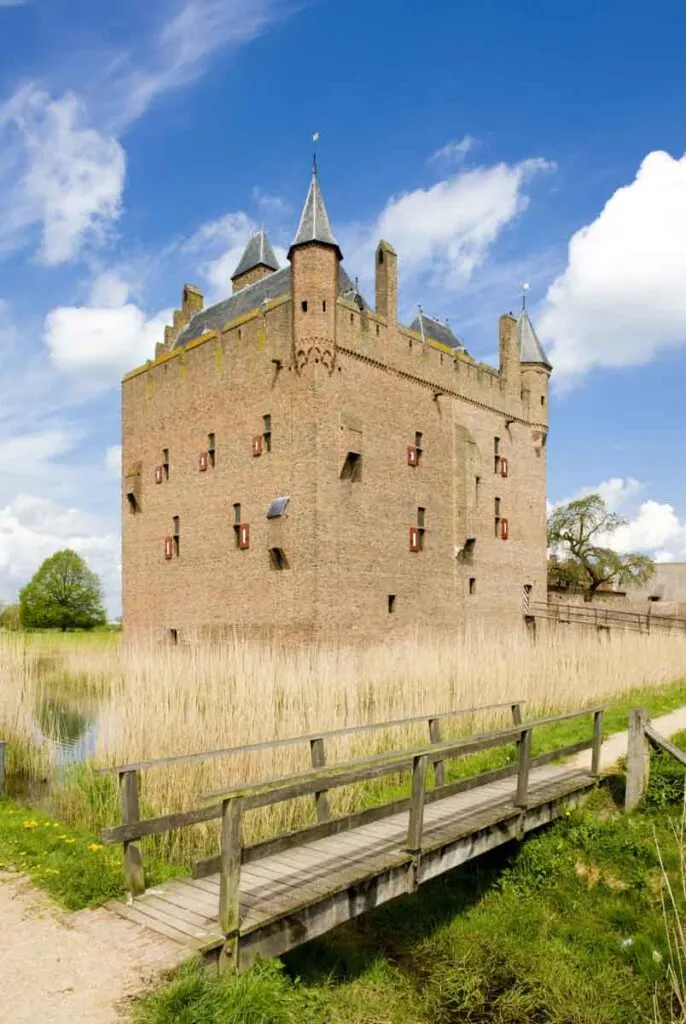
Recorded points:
(155,700)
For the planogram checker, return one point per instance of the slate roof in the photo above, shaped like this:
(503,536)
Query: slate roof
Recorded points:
(270,287)
(257,253)
(314,223)
(530,348)
(429,327)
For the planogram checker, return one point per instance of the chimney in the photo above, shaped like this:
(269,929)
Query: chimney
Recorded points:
(387,283)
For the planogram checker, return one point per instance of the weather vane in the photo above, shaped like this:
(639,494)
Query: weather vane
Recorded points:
(525,288)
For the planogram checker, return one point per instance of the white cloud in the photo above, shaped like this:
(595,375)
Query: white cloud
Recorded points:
(26,454)
(33,528)
(113,460)
(57,174)
(621,299)
(180,52)
(102,343)
(443,233)
(453,152)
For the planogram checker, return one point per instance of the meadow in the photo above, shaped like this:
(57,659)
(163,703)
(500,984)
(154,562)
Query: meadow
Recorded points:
(140,700)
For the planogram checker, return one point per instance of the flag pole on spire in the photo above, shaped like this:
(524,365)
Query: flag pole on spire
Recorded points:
(315,139)
(525,288)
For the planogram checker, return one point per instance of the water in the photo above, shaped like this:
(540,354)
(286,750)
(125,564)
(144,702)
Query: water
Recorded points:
(69,727)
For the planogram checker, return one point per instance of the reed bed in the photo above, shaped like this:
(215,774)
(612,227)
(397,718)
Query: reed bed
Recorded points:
(152,701)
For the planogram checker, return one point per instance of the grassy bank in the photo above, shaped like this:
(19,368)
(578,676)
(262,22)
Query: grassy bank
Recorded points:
(70,864)
(567,928)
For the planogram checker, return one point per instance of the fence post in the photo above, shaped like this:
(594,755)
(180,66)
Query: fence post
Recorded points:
(318,756)
(2,768)
(414,831)
(637,759)
(597,742)
(517,714)
(435,737)
(229,883)
(524,751)
(131,815)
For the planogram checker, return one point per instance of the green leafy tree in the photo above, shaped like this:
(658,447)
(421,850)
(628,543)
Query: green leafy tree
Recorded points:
(63,594)
(575,532)
(9,617)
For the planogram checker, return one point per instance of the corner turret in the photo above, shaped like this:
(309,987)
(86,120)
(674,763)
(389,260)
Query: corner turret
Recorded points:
(535,371)
(315,256)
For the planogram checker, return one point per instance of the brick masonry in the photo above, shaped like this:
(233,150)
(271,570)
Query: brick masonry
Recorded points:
(346,391)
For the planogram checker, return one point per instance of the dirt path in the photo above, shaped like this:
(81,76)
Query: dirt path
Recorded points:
(80,968)
(71,968)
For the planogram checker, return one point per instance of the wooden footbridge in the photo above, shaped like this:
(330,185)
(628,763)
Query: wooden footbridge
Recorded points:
(267,898)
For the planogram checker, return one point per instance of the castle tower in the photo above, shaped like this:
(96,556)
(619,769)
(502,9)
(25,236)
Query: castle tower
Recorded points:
(257,261)
(535,371)
(315,257)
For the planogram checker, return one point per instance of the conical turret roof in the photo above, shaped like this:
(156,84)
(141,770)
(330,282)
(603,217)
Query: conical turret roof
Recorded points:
(314,223)
(530,348)
(257,253)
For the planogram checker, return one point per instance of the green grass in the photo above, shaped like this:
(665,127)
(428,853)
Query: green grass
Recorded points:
(70,864)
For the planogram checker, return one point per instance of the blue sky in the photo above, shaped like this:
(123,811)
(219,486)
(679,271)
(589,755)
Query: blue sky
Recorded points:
(491,143)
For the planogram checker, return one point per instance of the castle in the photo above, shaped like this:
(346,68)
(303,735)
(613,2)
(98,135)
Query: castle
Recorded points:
(297,462)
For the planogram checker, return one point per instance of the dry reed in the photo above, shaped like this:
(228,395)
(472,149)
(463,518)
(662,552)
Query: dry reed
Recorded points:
(157,700)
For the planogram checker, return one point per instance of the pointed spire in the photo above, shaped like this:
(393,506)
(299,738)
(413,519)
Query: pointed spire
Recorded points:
(257,253)
(530,348)
(314,223)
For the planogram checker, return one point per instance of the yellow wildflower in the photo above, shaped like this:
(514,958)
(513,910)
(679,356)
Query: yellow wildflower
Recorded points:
(51,871)
(67,840)
(30,824)
(94,847)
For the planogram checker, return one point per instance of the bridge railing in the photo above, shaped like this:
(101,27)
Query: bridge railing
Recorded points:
(233,802)
(129,777)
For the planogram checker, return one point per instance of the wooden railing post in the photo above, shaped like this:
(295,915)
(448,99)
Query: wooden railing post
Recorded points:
(318,756)
(229,883)
(517,714)
(414,831)
(435,737)
(524,752)
(637,759)
(597,742)
(2,769)
(131,815)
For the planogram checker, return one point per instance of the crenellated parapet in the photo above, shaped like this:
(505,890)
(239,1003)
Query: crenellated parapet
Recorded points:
(192,301)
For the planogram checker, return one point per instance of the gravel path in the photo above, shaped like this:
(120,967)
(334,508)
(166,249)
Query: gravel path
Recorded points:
(60,968)
(82,968)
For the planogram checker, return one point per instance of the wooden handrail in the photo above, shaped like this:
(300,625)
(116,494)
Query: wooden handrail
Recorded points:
(306,738)
(277,790)
(287,787)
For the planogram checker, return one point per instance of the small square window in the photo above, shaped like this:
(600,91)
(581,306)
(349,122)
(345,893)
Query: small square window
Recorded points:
(477,485)
(472,586)
(303,305)
(236,514)
(133,504)
(211,448)
(267,432)
(352,467)
(277,559)
(174,636)
(277,508)
(176,535)
(391,603)
(165,462)
(324,306)
(542,399)
(421,514)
